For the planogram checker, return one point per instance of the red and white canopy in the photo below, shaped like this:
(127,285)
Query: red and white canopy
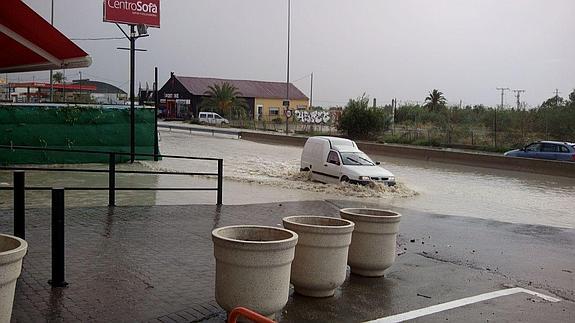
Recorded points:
(30,43)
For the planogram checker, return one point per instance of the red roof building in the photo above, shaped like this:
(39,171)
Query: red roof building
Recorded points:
(181,96)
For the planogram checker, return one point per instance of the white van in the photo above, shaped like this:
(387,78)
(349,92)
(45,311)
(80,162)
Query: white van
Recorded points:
(212,118)
(334,160)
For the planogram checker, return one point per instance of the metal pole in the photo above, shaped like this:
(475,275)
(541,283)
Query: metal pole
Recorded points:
(80,85)
(58,258)
(112,180)
(311,92)
(502,89)
(132,81)
(220,180)
(156,107)
(19,204)
(287,77)
(51,71)
(64,85)
(393,103)
(495,129)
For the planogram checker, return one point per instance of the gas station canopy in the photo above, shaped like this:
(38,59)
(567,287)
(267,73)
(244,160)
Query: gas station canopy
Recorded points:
(30,43)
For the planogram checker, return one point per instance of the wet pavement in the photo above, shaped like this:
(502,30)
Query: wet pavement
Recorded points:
(155,263)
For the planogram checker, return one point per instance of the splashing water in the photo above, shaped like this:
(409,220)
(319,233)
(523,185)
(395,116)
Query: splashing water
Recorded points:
(260,164)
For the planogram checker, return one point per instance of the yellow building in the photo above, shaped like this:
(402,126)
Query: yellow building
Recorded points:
(181,96)
(270,109)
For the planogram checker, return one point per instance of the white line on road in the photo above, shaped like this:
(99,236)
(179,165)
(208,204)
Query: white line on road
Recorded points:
(458,303)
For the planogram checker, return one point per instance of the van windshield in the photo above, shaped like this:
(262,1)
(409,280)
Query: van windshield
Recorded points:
(356,158)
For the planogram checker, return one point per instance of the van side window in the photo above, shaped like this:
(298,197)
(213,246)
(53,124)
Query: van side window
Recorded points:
(333,158)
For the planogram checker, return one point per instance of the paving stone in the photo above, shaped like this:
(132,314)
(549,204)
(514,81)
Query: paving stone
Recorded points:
(131,263)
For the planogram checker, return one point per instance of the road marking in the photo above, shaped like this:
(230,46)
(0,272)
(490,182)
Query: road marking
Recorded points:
(458,303)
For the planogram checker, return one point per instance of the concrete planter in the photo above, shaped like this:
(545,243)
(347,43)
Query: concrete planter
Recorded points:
(320,259)
(12,250)
(372,248)
(253,267)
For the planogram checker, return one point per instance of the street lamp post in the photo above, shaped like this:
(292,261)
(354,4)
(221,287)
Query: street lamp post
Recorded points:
(286,103)
(132,38)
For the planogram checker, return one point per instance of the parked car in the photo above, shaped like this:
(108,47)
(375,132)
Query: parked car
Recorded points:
(553,150)
(335,160)
(212,118)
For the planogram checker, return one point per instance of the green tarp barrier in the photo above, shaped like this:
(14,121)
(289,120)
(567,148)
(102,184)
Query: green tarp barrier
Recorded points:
(72,127)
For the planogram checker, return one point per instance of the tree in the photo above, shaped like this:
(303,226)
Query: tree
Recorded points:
(361,121)
(58,77)
(572,98)
(554,101)
(435,101)
(225,99)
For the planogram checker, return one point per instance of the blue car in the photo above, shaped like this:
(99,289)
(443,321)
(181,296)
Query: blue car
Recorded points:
(553,150)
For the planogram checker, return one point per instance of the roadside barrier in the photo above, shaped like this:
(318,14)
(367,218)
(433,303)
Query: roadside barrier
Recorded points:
(201,129)
(19,189)
(111,171)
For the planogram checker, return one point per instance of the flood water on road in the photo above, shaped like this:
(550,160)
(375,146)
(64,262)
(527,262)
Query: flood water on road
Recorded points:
(426,186)
(261,173)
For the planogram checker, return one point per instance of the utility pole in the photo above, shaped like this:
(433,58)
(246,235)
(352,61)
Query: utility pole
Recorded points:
(502,89)
(311,92)
(51,71)
(557,97)
(518,96)
(522,115)
(393,105)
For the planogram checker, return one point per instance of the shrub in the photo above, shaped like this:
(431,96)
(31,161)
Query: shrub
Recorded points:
(359,121)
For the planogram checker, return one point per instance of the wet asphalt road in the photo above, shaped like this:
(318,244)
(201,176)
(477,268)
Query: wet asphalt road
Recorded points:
(156,264)
(445,258)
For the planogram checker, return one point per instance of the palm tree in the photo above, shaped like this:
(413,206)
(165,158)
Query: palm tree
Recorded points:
(224,98)
(58,77)
(435,100)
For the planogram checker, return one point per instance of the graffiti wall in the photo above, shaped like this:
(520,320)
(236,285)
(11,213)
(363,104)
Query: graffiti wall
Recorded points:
(313,117)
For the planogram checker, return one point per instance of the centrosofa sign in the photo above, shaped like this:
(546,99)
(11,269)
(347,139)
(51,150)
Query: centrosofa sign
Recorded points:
(133,12)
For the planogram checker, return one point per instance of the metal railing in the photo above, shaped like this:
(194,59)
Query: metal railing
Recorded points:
(191,128)
(111,171)
(58,210)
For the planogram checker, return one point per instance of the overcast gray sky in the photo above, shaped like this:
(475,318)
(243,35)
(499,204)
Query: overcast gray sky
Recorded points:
(387,49)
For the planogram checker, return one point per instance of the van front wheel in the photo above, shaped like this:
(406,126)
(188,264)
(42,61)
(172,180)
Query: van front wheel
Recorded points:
(345,179)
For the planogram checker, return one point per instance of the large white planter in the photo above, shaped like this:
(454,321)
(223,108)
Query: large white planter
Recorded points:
(12,250)
(253,267)
(320,261)
(372,248)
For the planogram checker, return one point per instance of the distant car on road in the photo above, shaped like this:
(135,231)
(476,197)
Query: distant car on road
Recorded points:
(212,118)
(553,150)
